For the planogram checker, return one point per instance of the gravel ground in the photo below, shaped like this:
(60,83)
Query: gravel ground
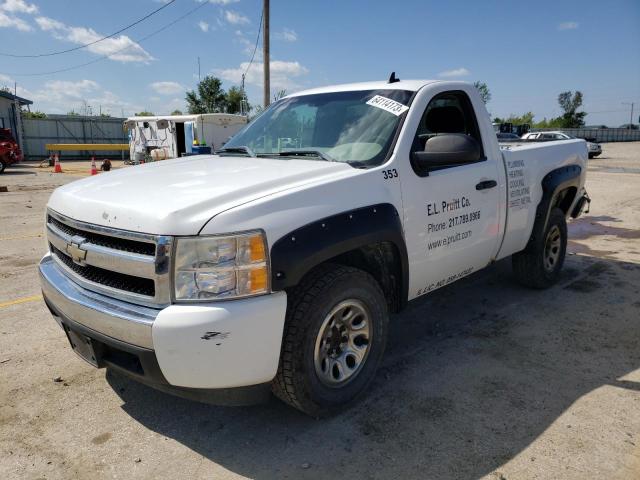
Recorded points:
(482,379)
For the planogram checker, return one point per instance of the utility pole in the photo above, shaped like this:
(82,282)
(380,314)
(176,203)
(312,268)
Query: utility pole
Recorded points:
(242,102)
(198,69)
(631,116)
(265,54)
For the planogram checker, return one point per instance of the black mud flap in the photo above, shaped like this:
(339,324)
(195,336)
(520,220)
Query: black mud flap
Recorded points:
(585,200)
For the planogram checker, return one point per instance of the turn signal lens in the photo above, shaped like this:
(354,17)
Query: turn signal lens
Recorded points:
(251,249)
(257,249)
(258,279)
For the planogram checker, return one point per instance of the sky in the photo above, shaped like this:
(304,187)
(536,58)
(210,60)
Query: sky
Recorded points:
(526,52)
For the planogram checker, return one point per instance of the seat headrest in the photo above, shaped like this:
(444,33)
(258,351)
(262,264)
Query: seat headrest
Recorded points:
(445,120)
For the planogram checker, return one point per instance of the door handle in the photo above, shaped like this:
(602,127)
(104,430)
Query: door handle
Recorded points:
(486,184)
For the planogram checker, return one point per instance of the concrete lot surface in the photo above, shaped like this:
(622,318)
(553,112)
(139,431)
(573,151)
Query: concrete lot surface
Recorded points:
(481,379)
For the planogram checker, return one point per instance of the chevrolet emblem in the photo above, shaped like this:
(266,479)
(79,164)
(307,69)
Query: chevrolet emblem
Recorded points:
(76,252)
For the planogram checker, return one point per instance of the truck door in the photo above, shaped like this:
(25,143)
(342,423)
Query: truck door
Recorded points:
(451,214)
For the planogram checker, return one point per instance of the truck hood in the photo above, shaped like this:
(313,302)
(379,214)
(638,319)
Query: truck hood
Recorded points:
(177,197)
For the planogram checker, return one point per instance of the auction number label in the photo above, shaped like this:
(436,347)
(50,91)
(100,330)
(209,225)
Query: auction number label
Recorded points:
(388,105)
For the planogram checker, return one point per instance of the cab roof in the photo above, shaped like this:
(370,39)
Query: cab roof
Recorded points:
(410,85)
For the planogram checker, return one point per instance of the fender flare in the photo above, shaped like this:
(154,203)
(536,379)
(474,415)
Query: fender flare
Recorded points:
(295,254)
(553,183)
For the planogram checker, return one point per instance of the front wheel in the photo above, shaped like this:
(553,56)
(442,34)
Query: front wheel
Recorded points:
(334,339)
(539,265)
(3,165)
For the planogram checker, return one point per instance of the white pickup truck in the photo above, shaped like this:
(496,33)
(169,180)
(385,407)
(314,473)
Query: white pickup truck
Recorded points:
(274,265)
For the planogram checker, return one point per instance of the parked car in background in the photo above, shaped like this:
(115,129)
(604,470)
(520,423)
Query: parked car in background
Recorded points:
(10,152)
(594,149)
(507,137)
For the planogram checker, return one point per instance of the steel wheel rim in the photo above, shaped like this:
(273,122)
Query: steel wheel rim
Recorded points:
(552,246)
(343,343)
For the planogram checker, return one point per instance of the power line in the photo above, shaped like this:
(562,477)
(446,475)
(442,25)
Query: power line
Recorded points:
(60,52)
(103,57)
(256,45)
(255,48)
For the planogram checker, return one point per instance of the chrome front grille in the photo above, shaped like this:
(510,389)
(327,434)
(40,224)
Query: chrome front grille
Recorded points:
(127,265)
(120,281)
(116,243)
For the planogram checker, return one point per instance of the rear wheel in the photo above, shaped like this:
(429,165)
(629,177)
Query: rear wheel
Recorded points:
(539,265)
(3,165)
(334,339)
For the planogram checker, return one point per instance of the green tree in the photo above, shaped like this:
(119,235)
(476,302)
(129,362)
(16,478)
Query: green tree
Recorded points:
(516,119)
(235,97)
(73,113)
(143,114)
(557,122)
(176,112)
(36,114)
(570,103)
(483,90)
(279,94)
(209,97)
(258,109)
(525,118)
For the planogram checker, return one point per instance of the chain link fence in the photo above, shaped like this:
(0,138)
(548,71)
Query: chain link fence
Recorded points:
(599,135)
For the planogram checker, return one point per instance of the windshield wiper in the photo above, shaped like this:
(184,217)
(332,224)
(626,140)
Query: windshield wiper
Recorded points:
(240,149)
(306,153)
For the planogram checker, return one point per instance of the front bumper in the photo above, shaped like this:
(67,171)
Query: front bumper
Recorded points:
(222,353)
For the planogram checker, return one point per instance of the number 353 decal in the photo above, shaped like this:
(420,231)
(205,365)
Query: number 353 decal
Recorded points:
(391,173)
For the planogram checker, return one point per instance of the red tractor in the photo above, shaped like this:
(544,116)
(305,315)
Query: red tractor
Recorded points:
(10,153)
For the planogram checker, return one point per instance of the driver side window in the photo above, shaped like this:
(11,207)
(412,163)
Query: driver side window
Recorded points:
(448,112)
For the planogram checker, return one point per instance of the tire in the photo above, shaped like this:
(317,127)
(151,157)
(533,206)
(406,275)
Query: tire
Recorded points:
(591,155)
(306,377)
(3,165)
(539,265)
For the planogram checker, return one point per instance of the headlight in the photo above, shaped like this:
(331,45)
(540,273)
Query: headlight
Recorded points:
(221,267)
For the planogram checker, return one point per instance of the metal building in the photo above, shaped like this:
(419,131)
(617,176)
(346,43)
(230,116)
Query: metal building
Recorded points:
(10,114)
(72,129)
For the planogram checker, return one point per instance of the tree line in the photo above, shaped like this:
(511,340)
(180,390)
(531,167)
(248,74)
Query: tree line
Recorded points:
(570,103)
(210,97)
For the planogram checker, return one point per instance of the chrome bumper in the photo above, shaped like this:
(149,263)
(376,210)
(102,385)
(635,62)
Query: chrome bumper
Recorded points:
(117,319)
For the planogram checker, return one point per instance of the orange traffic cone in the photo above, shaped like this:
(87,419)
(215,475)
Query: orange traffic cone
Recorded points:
(56,166)
(94,170)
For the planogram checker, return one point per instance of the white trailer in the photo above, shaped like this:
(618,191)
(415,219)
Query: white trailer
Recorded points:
(174,135)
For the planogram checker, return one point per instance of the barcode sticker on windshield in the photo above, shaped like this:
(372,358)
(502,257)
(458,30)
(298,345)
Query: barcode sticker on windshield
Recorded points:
(388,105)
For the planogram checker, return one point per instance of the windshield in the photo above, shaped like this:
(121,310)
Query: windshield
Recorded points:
(352,127)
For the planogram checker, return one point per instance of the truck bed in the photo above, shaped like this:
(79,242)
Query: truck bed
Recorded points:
(526,164)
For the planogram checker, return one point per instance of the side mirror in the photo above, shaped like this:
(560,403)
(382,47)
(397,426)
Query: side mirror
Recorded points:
(447,149)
